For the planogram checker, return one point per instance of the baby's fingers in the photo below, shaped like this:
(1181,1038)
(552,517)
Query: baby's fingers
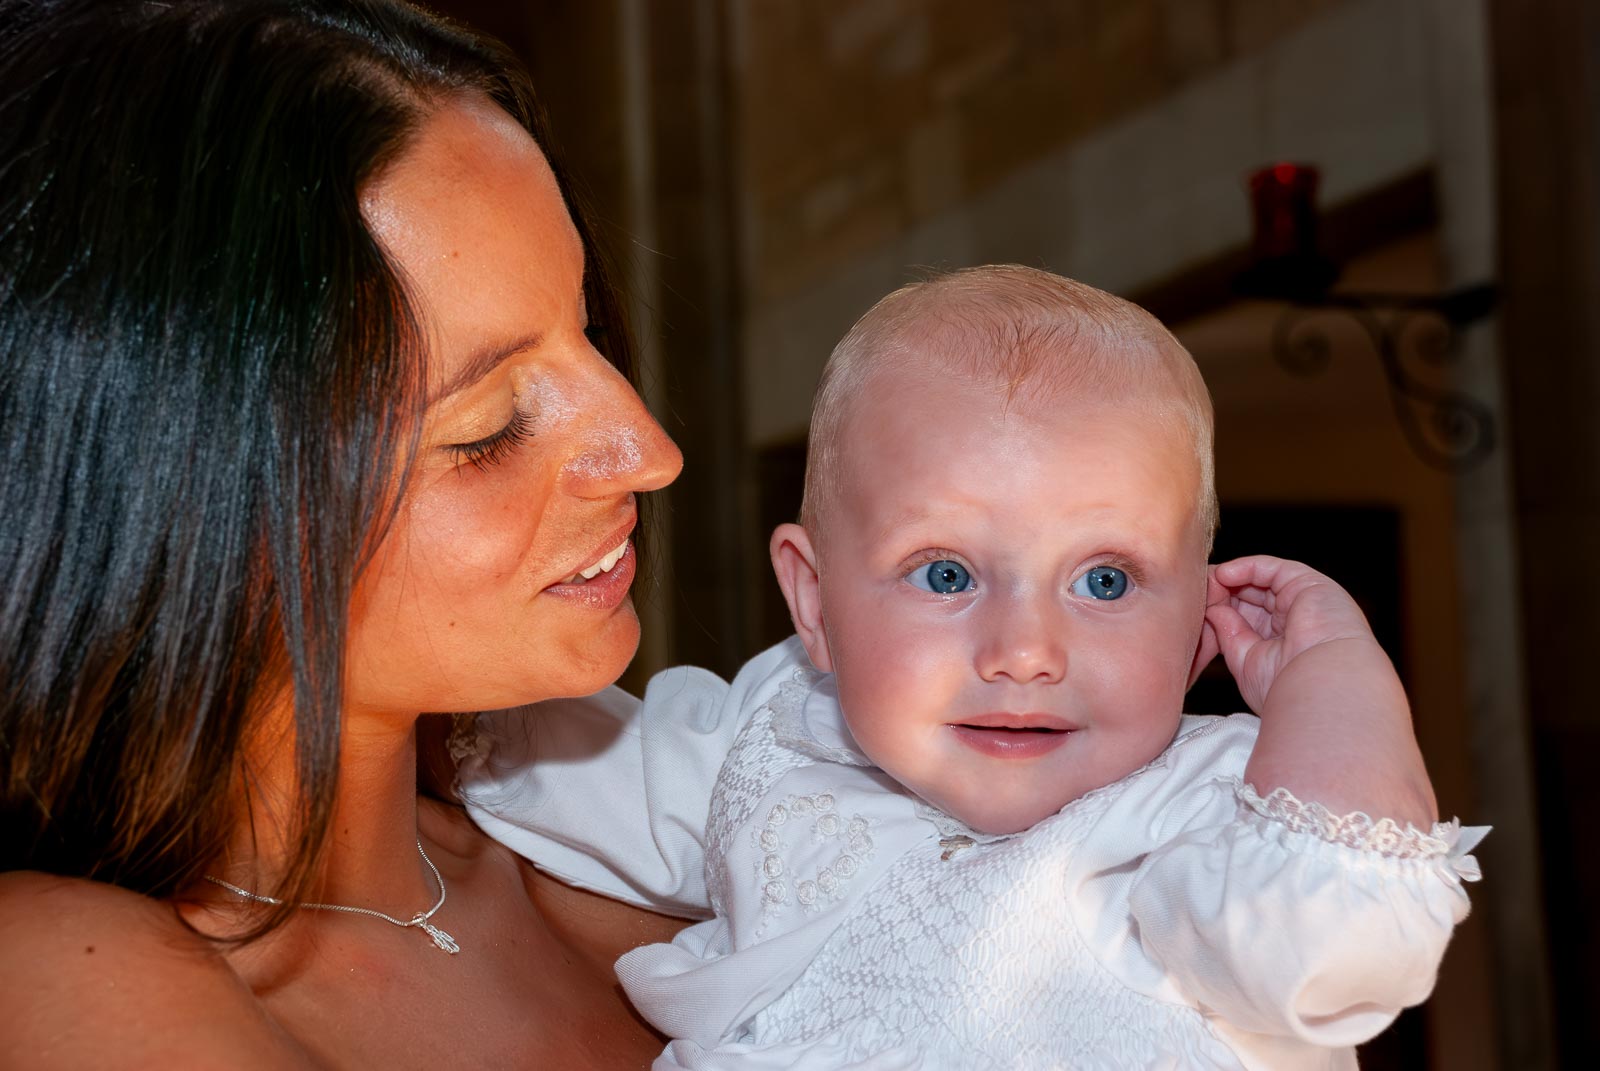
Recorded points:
(1259,571)
(1238,641)
(1263,619)
(1235,635)
(1282,598)
(1275,585)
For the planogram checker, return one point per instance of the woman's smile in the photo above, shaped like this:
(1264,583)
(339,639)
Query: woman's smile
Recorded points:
(607,588)
(602,557)
(602,566)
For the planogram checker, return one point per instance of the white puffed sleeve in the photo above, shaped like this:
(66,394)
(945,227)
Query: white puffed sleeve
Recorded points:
(610,793)
(830,1053)
(1283,919)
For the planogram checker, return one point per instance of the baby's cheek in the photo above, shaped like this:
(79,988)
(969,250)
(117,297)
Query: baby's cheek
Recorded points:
(1179,644)
(863,713)
(896,711)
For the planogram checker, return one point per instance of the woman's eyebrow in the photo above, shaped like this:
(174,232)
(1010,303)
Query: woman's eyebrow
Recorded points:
(482,361)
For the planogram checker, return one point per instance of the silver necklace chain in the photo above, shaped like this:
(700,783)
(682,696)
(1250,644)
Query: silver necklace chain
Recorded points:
(440,938)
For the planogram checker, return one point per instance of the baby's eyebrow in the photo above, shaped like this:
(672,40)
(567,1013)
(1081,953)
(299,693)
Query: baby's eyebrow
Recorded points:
(945,504)
(894,525)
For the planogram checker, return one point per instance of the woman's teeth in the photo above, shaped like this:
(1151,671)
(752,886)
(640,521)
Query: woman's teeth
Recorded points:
(604,565)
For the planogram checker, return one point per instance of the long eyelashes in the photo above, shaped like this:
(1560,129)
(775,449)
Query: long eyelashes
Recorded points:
(494,449)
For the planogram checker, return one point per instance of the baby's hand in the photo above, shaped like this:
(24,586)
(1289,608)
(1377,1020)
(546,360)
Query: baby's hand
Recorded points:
(1335,722)
(1268,614)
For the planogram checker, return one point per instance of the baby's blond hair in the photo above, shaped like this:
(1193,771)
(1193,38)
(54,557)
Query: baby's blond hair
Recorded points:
(1034,333)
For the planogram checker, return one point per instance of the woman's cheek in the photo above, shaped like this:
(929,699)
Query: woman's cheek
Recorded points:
(471,524)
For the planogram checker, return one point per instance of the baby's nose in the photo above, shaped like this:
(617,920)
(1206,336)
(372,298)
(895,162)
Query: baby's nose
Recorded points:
(1024,644)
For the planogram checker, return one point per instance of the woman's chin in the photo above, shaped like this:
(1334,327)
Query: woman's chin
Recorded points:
(598,663)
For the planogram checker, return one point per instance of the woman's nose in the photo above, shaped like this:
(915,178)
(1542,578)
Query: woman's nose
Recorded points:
(621,447)
(1024,640)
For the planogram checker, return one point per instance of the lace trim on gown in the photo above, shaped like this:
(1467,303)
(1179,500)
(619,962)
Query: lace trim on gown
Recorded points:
(1358,830)
(792,729)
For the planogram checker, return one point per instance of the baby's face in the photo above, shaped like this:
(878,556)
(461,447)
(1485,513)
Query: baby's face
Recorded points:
(1011,595)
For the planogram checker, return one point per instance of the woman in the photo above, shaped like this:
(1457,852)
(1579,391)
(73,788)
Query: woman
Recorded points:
(304,434)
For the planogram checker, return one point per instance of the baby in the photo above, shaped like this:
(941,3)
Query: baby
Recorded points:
(959,820)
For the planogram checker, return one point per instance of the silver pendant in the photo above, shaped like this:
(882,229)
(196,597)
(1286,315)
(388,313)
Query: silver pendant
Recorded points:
(440,938)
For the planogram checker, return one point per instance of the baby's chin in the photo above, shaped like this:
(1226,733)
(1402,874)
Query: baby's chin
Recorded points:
(999,817)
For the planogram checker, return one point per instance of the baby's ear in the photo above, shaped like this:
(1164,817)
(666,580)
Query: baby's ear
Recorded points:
(1207,646)
(794,560)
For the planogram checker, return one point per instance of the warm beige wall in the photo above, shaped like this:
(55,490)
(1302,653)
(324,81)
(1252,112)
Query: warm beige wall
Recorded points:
(862,118)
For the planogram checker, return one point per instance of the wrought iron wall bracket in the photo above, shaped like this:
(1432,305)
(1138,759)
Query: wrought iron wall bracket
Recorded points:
(1446,428)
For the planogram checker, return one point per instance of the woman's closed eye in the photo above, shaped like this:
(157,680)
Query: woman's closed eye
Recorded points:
(1103,582)
(942,577)
(493,449)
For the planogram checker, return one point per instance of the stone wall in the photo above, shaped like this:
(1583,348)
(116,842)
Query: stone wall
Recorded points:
(859,120)
(836,212)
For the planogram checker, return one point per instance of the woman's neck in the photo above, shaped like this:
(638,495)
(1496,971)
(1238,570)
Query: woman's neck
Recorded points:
(372,838)
(370,857)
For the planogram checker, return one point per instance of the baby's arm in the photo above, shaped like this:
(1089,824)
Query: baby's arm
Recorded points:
(1298,922)
(1335,723)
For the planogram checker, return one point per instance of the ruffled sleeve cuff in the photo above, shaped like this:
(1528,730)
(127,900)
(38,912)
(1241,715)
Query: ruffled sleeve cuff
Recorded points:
(1449,841)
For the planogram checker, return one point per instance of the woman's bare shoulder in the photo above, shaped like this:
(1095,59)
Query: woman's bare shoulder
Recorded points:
(94,975)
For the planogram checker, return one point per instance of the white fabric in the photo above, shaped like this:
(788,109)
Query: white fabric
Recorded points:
(611,794)
(1172,919)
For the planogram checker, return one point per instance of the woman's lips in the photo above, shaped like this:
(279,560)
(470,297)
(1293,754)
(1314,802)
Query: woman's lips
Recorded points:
(605,591)
(1013,736)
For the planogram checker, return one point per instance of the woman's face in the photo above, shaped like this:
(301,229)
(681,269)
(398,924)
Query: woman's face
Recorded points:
(532,445)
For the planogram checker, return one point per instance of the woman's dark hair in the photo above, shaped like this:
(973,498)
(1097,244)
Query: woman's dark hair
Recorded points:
(208,379)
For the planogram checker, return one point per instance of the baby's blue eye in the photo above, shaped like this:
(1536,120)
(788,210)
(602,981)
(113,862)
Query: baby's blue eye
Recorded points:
(1102,582)
(941,577)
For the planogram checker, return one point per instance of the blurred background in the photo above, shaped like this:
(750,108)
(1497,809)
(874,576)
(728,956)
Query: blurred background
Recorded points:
(1373,222)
